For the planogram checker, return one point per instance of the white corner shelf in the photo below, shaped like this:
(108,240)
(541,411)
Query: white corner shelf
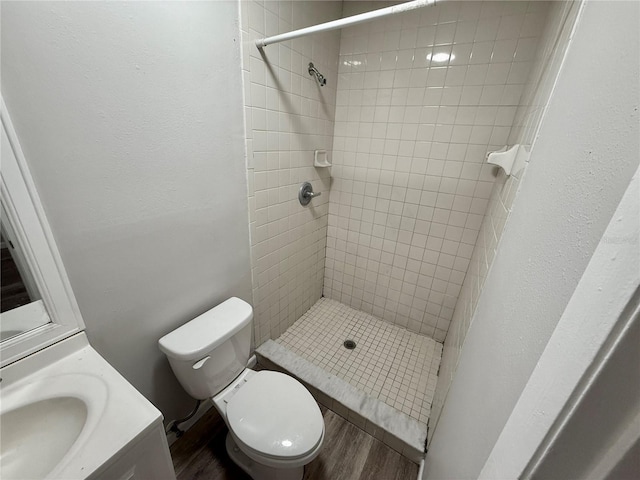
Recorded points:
(320,159)
(509,159)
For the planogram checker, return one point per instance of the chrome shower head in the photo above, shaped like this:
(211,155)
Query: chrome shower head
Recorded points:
(314,71)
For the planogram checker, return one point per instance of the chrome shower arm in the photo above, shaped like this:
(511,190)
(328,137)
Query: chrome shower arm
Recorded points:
(314,71)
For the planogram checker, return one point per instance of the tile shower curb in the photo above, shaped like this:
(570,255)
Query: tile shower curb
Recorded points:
(396,429)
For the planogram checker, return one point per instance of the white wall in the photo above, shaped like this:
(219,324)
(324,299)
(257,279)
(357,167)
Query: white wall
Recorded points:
(410,185)
(582,162)
(590,419)
(288,116)
(553,44)
(130,116)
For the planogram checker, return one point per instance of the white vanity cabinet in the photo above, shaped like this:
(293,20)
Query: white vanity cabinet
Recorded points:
(68,414)
(147,458)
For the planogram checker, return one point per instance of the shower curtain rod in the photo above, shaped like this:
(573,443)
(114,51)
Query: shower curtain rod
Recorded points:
(345,22)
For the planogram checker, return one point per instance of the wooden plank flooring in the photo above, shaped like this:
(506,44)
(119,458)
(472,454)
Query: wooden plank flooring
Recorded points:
(348,453)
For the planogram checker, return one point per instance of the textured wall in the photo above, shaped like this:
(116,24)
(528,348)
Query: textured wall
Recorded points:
(555,38)
(582,160)
(592,442)
(409,182)
(287,116)
(130,116)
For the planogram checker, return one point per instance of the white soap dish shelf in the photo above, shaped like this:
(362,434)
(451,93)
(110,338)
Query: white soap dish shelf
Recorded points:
(509,159)
(320,159)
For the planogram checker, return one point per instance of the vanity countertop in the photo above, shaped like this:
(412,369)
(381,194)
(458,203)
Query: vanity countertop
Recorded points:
(114,413)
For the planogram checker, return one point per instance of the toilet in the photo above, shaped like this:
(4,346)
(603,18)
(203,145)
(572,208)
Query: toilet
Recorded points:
(275,425)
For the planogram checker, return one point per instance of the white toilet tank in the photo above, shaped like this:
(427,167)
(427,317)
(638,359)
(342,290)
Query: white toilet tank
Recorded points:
(208,352)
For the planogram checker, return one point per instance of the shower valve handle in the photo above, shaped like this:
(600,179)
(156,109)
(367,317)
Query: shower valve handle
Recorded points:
(306,193)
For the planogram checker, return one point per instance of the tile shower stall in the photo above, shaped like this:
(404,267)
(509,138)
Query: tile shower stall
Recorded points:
(393,253)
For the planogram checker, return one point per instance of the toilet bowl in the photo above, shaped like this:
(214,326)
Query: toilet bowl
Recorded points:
(275,425)
(273,421)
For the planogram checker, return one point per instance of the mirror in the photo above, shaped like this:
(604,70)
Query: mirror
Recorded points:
(38,304)
(21,307)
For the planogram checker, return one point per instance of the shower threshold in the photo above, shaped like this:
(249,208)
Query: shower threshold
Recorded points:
(384,385)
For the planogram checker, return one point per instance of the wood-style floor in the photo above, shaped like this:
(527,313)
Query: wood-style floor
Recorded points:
(348,453)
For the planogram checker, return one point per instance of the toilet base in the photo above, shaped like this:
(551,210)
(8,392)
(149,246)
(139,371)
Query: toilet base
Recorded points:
(258,471)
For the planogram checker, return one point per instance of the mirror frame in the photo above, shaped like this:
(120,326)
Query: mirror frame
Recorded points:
(27,217)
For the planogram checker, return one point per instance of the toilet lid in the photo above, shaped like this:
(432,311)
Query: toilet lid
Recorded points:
(274,415)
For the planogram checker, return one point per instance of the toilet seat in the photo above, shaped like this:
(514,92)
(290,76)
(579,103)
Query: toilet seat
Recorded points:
(275,420)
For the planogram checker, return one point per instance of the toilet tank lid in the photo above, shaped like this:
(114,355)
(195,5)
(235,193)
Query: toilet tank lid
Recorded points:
(196,338)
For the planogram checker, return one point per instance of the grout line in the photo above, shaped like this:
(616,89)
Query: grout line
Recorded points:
(403,379)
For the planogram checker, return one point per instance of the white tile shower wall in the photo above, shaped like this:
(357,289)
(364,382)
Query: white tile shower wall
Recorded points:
(421,98)
(287,117)
(560,20)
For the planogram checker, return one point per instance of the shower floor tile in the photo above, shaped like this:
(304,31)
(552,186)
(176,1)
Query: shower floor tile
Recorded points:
(389,363)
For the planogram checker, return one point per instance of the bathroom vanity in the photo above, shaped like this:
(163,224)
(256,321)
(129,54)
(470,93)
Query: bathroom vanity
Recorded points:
(66,413)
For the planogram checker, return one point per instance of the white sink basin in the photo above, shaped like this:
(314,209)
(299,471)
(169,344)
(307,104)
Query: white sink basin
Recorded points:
(49,427)
(65,413)
(45,418)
